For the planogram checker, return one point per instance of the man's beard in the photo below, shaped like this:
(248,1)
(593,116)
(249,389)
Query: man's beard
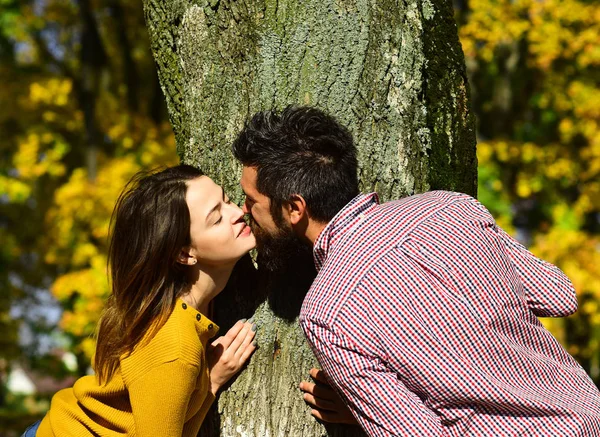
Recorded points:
(281,250)
(290,268)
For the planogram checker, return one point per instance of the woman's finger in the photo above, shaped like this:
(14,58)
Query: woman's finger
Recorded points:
(217,341)
(214,352)
(239,339)
(246,342)
(248,351)
(232,334)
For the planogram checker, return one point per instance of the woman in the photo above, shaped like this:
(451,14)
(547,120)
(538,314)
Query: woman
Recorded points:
(175,239)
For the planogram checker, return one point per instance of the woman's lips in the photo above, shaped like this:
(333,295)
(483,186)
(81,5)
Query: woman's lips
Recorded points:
(245,231)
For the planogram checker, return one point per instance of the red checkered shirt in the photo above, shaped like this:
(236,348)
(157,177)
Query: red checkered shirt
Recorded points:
(424,316)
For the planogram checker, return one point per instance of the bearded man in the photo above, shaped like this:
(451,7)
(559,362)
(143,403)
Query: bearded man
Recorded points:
(424,313)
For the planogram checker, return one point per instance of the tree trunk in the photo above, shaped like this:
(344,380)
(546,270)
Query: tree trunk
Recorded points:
(393,72)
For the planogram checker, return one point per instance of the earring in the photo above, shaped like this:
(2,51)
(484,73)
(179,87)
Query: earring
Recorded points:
(194,261)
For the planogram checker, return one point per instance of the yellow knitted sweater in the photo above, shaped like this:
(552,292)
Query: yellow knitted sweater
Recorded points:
(161,389)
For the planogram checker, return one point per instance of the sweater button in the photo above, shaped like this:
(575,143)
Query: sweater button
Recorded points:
(198,317)
(210,326)
(184,306)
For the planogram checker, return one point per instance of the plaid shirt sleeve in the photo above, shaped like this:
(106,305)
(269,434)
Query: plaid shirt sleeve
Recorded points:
(548,290)
(423,315)
(376,396)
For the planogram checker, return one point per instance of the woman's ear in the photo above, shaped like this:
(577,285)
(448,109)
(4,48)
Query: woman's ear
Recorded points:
(186,258)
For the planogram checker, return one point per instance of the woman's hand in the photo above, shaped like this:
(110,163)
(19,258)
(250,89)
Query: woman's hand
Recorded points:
(326,404)
(228,354)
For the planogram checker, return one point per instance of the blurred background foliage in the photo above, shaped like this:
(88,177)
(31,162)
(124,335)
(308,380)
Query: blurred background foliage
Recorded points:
(81,111)
(534,69)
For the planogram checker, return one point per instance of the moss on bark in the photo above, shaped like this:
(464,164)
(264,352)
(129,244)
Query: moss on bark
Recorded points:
(453,163)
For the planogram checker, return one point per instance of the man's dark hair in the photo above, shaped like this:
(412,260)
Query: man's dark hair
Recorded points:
(301,151)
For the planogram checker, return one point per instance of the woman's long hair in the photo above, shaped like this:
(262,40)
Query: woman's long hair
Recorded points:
(149,227)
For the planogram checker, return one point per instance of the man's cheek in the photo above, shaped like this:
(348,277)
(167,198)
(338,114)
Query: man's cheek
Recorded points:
(257,216)
(253,223)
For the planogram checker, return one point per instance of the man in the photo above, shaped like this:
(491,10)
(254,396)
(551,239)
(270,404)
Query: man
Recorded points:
(423,313)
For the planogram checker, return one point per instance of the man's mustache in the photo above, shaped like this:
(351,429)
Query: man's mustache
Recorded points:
(251,222)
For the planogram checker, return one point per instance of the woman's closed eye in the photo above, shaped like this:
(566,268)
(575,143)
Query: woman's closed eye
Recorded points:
(227,201)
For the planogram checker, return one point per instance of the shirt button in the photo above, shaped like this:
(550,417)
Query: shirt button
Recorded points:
(184,306)
(210,326)
(198,317)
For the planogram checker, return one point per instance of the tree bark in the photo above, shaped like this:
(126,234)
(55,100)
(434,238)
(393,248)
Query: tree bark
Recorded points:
(392,71)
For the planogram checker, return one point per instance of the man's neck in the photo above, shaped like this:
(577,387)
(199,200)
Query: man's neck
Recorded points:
(313,231)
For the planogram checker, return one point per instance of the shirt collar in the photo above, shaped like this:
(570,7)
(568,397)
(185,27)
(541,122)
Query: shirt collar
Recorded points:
(341,222)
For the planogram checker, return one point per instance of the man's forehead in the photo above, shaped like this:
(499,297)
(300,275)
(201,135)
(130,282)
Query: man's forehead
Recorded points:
(248,184)
(248,181)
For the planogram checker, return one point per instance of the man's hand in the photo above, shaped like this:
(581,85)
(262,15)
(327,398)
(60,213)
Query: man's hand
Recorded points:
(325,403)
(229,353)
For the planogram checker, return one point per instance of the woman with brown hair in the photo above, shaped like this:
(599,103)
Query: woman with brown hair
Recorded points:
(175,239)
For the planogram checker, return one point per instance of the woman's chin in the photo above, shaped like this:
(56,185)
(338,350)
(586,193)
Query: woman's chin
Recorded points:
(246,252)
(251,239)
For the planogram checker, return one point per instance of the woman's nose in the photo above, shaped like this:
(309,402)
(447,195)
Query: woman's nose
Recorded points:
(238,213)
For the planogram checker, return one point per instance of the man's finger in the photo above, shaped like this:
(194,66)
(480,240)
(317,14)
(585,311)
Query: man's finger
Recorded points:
(307,386)
(320,391)
(326,416)
(319,375)
(327,406)
(321,404)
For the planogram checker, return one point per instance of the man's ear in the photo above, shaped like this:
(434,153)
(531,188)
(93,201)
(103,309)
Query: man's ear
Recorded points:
(186,258)
(296,209)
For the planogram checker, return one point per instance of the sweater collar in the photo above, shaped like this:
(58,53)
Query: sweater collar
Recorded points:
(204,326)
